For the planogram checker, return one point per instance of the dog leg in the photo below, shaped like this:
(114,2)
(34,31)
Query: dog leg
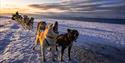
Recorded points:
(53,53)
(36,41)
(42,55)
(69,50)
(62,52)
(34,47)
(56,48)
(44,59)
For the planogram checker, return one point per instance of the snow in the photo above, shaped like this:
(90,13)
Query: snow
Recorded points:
(107,40)
(112,34)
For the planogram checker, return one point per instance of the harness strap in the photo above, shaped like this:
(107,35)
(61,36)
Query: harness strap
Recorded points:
(47,42)
(50,37)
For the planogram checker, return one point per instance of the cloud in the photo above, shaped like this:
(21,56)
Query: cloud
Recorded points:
(100,7)
(49,6)
(84,5)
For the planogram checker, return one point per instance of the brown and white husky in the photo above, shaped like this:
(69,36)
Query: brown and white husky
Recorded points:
(47,38)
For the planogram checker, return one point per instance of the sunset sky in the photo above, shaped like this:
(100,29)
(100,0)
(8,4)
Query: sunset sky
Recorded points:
(99,8)
(11,6)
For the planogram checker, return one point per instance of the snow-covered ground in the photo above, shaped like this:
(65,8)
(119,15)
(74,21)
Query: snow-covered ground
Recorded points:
(97,43)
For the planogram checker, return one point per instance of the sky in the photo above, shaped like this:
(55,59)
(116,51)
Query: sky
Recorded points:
(11,6)
(89,8)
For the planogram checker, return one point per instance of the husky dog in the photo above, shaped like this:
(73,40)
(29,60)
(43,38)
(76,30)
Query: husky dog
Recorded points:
(66,40)
(30,23)
(17,17)
(25,21)
(46,39)
(40,26)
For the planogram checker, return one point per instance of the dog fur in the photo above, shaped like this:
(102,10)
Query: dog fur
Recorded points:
(41,38)
(66,40)
(25,21)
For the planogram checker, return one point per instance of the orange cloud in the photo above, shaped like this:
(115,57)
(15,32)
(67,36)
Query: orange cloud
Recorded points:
(23,9)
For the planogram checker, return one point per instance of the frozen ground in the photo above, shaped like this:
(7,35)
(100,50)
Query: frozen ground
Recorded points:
(97,43)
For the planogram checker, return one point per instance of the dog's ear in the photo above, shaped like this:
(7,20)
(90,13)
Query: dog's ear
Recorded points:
(51,25)
(68,30)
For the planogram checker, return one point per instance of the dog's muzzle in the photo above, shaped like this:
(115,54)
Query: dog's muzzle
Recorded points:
(76,39)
